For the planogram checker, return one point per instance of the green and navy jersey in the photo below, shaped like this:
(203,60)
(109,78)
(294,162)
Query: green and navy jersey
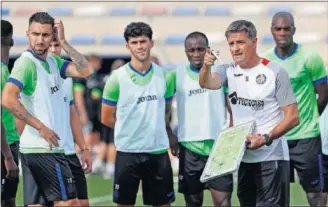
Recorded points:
(26,79)
(201,113)
(306,69)
(112,90)
(41,82)
(138,97)
(8,120)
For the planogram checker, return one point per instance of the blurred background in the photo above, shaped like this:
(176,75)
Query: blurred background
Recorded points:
(96,29)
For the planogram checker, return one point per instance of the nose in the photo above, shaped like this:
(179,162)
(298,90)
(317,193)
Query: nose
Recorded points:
(234,48)
(52,49)
(196,54)
(40,39)
(139,46)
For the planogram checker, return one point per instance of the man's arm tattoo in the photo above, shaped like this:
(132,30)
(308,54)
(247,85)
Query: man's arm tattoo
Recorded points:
(21,113)
(78,59)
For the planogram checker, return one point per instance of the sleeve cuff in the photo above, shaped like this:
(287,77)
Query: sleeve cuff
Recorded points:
(168,99)
(320,81)
(71,102)
(109,102)
(16,82)
(63,69)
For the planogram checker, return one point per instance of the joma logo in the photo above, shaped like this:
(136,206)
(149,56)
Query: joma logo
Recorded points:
(196,91)
(54,89)
(146,98)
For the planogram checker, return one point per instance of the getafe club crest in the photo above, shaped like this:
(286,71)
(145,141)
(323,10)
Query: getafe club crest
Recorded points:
(260,79)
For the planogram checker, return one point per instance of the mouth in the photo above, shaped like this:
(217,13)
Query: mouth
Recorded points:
(38,47)
(282,40)
(141,53)
(237,55)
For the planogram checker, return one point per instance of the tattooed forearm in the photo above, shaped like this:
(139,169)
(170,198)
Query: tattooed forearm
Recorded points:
(21,113)
(78,59)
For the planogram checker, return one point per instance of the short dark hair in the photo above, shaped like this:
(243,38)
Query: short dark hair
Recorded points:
(196,35)
(6,28)
(242,25)
(137,29)
(6,33)
(42,18)
(283,15)
(55,39)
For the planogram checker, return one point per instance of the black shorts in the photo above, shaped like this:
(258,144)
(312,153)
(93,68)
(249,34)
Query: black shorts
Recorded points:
(306,158)
(46,178)
(9,186)
(79,176)
(96,125)
(155,172)
(191,166)
(325,173)
(107,134)
(264,183)
(93,114)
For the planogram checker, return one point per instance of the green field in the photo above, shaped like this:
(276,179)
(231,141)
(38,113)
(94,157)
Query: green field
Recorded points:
(100,194)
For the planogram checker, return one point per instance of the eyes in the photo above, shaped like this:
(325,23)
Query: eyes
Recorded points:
(42,34)
(136,42)
(198,49)
(239,42)
(286,29)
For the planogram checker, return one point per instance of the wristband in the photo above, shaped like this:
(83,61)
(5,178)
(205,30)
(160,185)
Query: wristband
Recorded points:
(268,140)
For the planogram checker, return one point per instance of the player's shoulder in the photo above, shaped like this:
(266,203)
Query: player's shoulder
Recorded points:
(120,69)
(271,65)
(158,69)
(307,53)
(268,53)
(276,68)
(4,72)
(24,62)
(56,57)
(3,66)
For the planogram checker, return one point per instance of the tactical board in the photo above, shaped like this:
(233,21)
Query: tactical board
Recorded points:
(227,152)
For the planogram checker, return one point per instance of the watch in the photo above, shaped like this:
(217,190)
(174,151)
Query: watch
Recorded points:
(268,140)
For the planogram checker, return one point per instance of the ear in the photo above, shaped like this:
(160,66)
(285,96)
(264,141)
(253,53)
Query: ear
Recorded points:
(294,30)
(151,43)
(27,33)
(127,46)
(254,42)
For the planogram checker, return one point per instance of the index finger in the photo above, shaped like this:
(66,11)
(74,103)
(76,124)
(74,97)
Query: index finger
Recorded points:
(55,142)
(56,136)
(57,21)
